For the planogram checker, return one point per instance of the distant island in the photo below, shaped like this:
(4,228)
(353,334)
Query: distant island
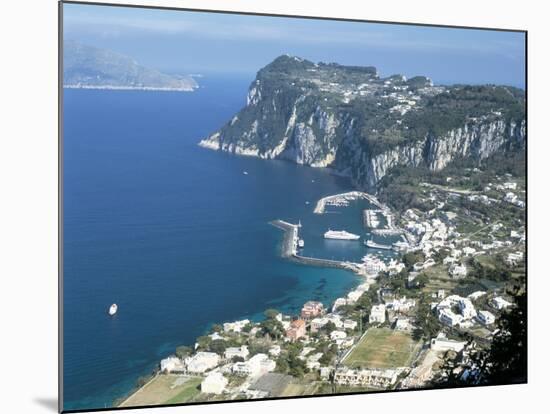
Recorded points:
(89,67)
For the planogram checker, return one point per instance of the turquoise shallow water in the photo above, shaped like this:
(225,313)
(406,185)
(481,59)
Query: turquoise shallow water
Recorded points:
(176,234)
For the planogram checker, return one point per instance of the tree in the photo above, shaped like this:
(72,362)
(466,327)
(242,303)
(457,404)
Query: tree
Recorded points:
(218,346)
(272,327)
(183,351)
(427,325)
(216,328)
(204,342)
(271,313)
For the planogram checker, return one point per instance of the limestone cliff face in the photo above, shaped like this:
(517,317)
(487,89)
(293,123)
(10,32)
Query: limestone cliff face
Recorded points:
(294,115)
(477,141)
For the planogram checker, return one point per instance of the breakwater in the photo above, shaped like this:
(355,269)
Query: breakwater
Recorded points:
(289,250)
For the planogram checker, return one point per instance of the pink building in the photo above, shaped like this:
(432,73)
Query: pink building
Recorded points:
(311,310)
(297,329)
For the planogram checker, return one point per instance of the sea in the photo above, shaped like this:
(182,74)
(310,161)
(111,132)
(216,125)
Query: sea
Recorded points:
(178,235)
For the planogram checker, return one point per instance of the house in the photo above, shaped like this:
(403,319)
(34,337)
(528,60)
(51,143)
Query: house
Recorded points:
(458,271)
(214,383)
(441,343)
(377,314)
(316,324)
(311,310)
(402,324)
(258,365)
(172,364)
(297,330)
(476,295)
(275,350)
(349,324)
(468,251)
(381,378)
(373,264)
(201,362)
(334,335)
(485,317)
(232,352)
(467,308)
(401,305)
(449,318)
(499,303)
(514,258)
(236,326)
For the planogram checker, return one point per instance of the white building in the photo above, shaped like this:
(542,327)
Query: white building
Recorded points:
(202,362)
(256,366)
(458,271)
(214,383)
(382,378)
(241,352)
(334,335)
(514,258)
(349,324)
(172,364)
(377,314)
(403,324)
(467,308)
(317,323)
(498,302)
(449,318)
(373,264)
(476,295)
(275,350)
(401,305)
(485,317)
(441,343)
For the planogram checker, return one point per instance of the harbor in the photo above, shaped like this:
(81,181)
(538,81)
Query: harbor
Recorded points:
(289,250)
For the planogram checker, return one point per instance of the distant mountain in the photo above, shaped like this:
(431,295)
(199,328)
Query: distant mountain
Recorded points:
(95,68)
(353,121)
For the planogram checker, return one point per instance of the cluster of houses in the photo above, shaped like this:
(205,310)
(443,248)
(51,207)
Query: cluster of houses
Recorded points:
(458,311)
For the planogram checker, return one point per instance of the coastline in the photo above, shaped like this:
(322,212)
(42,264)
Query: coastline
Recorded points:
(288,251)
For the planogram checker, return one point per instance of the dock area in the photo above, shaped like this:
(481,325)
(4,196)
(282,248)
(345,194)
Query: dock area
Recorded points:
(289,250)
(342,200)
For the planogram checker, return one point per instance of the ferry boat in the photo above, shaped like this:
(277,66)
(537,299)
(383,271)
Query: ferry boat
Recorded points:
(374,245)
(341,235)
(113,309)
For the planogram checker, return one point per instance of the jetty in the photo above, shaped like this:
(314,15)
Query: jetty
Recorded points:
(289,250)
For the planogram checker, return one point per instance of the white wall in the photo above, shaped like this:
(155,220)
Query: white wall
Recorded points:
(28,207)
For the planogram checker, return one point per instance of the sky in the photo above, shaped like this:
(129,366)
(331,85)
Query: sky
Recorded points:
(197,42)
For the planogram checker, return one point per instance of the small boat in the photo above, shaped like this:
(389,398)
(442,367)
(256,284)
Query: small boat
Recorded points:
(307,202)
(113,309)
(300,243)
(245,172)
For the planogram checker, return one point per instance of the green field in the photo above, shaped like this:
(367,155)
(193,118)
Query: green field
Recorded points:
(165,389)
(383,348)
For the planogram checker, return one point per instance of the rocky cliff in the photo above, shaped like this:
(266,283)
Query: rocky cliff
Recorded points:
(350,119)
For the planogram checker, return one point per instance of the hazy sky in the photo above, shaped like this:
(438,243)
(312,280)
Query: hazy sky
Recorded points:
(191,42)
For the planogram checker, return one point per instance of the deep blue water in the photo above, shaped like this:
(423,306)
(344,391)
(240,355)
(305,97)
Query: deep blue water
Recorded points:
(176,234)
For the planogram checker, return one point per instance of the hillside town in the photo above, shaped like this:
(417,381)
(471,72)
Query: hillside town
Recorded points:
(438,295)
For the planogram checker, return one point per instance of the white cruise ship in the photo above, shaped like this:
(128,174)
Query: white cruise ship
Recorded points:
(341,235)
